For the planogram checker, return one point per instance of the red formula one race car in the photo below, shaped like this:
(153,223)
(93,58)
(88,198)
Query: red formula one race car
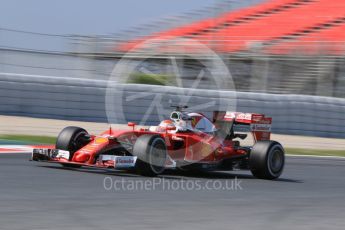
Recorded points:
(187,141)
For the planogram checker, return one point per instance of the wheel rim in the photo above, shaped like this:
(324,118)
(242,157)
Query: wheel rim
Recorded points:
(76,140)
(276,161)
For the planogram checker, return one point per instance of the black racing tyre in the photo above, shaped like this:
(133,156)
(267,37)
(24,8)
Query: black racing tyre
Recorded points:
(71,139)
(267,159)
(152,154)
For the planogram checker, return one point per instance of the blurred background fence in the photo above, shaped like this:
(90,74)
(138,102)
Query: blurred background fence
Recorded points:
(84,100)
(321,75)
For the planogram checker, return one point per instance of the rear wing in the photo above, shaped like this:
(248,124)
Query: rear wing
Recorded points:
(260,126)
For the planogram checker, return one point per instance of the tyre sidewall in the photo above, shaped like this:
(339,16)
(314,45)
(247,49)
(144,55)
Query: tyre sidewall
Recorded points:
(143,149)
(67,137)
(259,160)
(276,147)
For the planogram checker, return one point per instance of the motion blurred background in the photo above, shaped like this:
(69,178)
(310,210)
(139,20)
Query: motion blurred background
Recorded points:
(286,57)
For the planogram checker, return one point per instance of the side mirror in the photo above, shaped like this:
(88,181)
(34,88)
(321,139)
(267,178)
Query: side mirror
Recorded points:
(131,124)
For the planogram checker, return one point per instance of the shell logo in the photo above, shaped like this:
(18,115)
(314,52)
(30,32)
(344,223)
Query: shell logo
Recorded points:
(101,140)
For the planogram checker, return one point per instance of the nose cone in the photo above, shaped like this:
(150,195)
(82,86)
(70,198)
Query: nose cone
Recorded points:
(81,157)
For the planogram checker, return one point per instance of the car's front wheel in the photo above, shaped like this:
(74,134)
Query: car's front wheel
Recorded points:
(152,155)
(71,139)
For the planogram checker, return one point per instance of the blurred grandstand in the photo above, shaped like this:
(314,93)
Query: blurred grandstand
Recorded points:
(277,46)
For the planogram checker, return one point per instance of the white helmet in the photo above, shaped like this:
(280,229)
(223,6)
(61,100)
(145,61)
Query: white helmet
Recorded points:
(162,127)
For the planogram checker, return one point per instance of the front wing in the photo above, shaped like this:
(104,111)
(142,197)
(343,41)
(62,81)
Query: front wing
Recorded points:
(103,161)
(62,156)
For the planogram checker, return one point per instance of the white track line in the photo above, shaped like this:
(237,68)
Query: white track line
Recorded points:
(51,77)
(316,156)
(4,149)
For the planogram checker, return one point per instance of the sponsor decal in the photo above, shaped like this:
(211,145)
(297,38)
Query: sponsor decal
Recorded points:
(261,127)
(257,117)
(263,120)
(63,154)
(244,116)
(194,121)
(241,128)
(230,115)
(124,161)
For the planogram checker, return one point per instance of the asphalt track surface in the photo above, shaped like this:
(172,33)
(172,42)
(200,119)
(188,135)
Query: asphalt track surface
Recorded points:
(309,195)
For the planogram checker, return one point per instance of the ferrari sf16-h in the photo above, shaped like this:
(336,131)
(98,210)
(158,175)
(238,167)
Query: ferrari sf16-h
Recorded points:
(187,141)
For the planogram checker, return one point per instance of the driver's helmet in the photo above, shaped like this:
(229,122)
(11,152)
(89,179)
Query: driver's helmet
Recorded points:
(162,127)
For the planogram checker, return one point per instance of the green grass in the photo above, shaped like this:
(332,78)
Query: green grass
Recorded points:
(149,79)
(29,139)
(317,152)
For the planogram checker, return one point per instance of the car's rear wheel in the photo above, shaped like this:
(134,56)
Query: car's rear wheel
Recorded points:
(152,155)
(267,159)
(71,139)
